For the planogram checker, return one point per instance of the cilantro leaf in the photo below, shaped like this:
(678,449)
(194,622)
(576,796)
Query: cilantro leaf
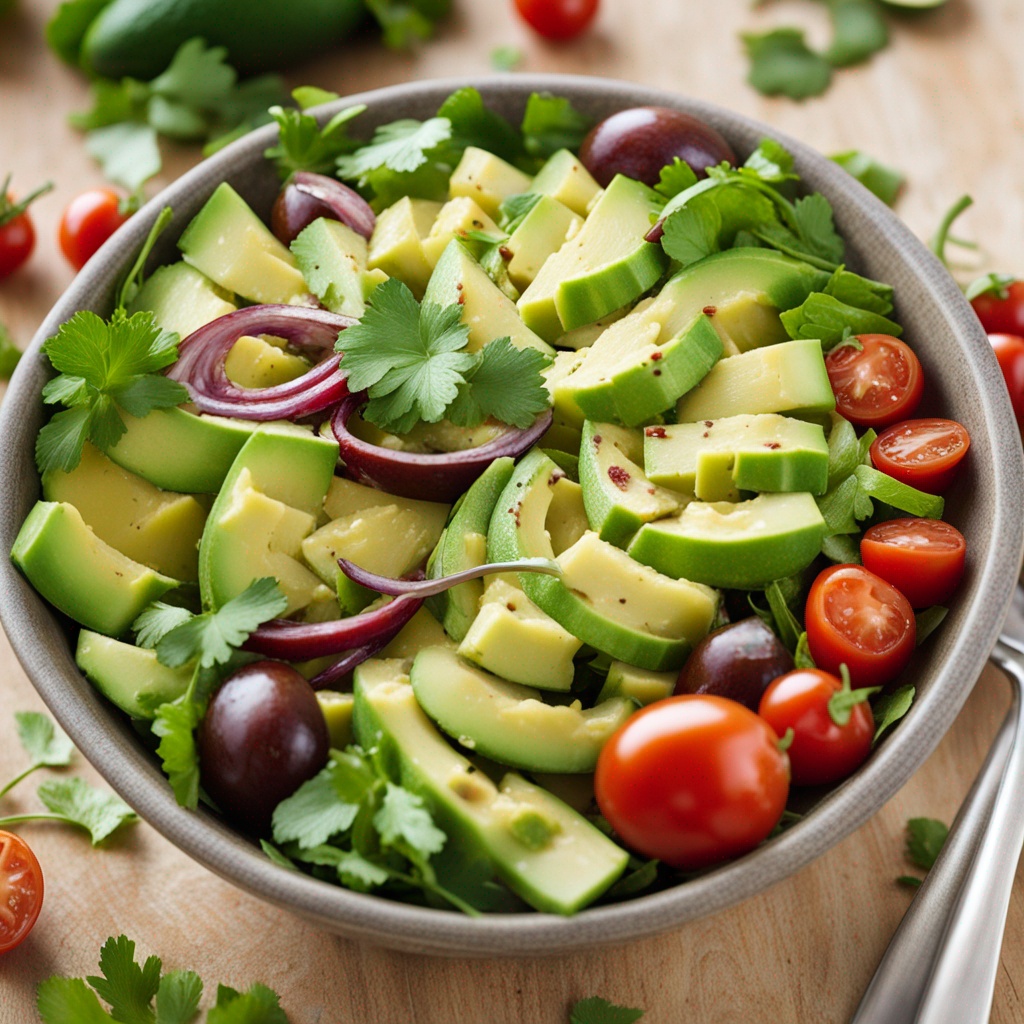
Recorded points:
(60,1000)
(551,123)
(404,822)
(98,812)
(858,31)
(175,723)
(596,1010)
(513,211)
(156,621)
(885,182)
(127,153)
(10,354)
(400,21)
(400,145)
(505,383)
(302,145)
(816,229)
(770,162)
(101,365)
(127,987)
(890,708)
(211,638)
(44,742)
(313,96)
(674,178)
(257,1005)
(473,124)
(711,221)
(781,62)
(177,998)
(925,837)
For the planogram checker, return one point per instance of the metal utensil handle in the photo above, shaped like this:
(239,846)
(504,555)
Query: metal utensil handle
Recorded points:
(941,964)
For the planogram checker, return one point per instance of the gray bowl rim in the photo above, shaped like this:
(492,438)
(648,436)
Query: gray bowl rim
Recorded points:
(109,744)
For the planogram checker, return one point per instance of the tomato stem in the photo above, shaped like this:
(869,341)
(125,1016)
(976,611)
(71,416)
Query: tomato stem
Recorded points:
(9,209)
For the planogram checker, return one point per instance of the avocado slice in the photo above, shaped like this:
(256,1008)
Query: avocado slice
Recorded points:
(258,363)
(716,459)
(789,377)
(181,299)
(618,495)
(129,676)
(547,853)
(564,178)
(464,546)
(514,639)
(606,266)
(742,546)
(486,310)
(486,179)
(509,723)
(158,528)
(333,259)
(604,598)
(543,231)
(396,245)
(78,573)
(638,684)
(228,243)
(337,709)
(455,220)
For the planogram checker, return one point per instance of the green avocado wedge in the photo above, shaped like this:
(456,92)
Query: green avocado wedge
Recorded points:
(78,573)
(509,723)
(743,545)
(547,853)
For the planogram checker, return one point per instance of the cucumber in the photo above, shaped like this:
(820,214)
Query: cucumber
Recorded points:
(138,38)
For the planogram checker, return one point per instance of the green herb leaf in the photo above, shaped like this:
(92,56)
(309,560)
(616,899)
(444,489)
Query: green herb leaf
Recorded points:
(513,211)
(770,162)
(400,146)
(274,854)
(635,882)
(175,723)
(302,145)
(928,621)
(802,655)
(126,152)
(993,284)
(596,1010)
(10,354)
(177,998)
(156,621)
(257,1005)
(473,124)
(403,821)
(127,987)
(912,881)
(858,31)
(925,837)
(98,812)
(674,178)
(551,123)
(862,292)
(44,742)
(505,383)
(506,58)
(825,317)
(65,1000)
(885,182)
(781,62)
(890,708)
(402,24)
(786,622)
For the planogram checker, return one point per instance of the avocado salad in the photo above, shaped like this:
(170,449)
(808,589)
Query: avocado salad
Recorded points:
(453,531)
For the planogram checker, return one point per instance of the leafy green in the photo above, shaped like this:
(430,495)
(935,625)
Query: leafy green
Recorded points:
(10,354)
(127,987)
(506,58)
(551,123)
(156,621)
(830,320)
(781,63)
(45,744)
(802,655)
(925,837)
(596,1010)
(77,803)
(404,22)
(514,210)
(858,31)
(411,360)
(302,145)
(890,708)
(994,284)
(845,699)
(786,622)
(928,621)
(257,1005)
(885,182)
(473,124)
(175,724)
(104,367)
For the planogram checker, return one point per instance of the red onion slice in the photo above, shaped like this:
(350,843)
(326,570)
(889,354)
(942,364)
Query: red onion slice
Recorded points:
(307,196)
(201,357)
(300,641)
(442,477)
(428,588)
(344,665)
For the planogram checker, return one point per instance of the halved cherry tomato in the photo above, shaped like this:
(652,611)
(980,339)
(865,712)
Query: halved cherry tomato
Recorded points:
(88,221)
(922,453)
(1009,350)
(822,750)
(1002,315)
(877,385)
(21,890)
(854,617)
(17,235)
(923,558)
(692,780)
(557,19)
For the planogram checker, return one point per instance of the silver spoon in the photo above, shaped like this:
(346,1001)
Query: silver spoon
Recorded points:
(940,967)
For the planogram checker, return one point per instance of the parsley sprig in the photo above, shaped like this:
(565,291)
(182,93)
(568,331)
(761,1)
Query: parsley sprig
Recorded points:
(302,145)
(411,359)
(210,642)
(142,994)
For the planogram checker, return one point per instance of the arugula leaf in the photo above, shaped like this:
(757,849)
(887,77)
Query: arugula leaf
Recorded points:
(885,182)
(302,145)
(925,837)
(78,803)
(103,365)
(858,31)
(551,123)
(781,62)
(890,708)
(596,1010)
(127,987)
(61,1000)
(993,284)
(505,383)
(473,124)
(861,292)
(10,354)
(156,621)
(825,317)
(44,742)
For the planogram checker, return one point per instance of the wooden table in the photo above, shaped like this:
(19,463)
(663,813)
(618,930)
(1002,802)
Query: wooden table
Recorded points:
(946,104)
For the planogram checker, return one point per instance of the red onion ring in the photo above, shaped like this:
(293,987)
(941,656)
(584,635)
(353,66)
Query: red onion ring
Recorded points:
(438,585)
(300,641)
(348,661)
(307,196)
(442,477)
(201,358)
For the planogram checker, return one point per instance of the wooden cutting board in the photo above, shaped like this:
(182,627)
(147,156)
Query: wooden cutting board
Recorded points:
(945,103)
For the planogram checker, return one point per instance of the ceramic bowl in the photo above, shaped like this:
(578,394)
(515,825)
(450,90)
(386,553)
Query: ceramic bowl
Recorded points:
(964,383)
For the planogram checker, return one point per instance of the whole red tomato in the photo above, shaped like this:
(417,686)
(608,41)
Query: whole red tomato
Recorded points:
(832,725)
(693,780)
(21,890)
(88,221)
(1002,313)
(17,235)
(557,19)
(1009,350)
(855,618)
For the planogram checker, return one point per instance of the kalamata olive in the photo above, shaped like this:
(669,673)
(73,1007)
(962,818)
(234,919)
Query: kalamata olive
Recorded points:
(639,141)
(737,661)
(263,736)
(306,196)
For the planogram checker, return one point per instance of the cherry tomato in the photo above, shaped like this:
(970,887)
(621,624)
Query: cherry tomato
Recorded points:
(822,750)
(922,453)
(924,558)
(854,617)
(692,780)
(21,890)
(1002,316)
(1009,350)
(557,19)
(88,221)
(17,235)
(877,385)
